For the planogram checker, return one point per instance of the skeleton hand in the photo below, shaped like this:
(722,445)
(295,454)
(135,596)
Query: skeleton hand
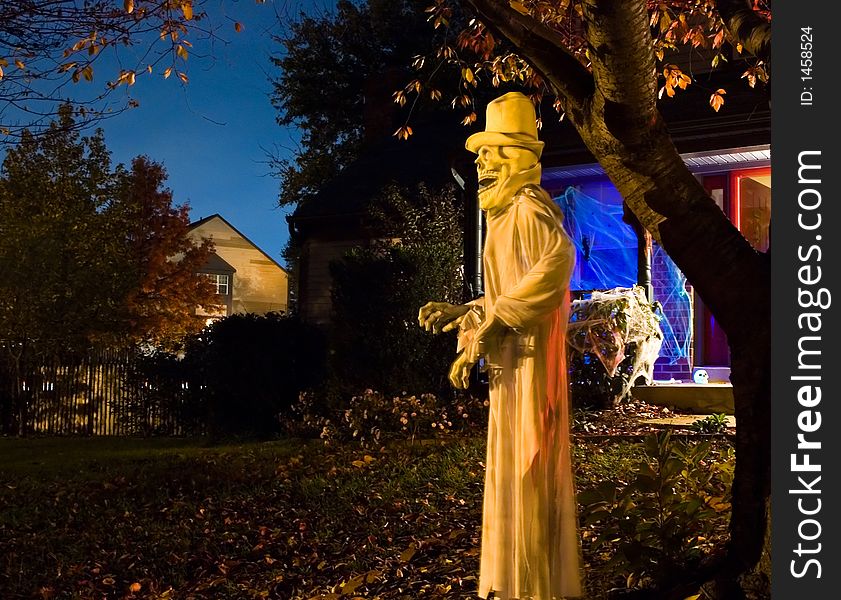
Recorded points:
(441,316)
(460,371)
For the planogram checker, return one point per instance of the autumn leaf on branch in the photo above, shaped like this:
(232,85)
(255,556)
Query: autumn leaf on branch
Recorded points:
(187,9)
(127,77)
(717,99)
(675,78)
(42,37)
(518,6)
(403,133)
(439,14)
(754,73)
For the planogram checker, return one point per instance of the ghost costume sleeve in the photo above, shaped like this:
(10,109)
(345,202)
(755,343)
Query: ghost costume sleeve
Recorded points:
(470,323)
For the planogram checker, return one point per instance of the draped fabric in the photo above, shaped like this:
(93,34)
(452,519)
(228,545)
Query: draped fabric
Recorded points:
(530,544)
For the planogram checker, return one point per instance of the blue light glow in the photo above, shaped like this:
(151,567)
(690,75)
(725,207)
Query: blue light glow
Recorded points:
(606,257)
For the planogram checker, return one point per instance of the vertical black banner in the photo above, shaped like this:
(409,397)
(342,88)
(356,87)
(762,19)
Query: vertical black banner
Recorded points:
(806,414)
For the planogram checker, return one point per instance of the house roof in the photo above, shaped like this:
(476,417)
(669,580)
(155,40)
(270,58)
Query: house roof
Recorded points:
(713,161)
(743,121)
(216,263)
(425,157)
(204,220)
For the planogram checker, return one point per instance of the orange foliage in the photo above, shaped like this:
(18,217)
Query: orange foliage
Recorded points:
(477,56)
(162,308)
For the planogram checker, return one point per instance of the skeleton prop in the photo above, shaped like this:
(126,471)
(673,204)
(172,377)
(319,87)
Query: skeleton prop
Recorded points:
(530,546)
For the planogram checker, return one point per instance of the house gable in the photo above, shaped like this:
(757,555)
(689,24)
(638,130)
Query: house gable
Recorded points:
(260,284)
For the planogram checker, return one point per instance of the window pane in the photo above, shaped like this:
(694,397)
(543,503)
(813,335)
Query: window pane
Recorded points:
(755,210)
(606,246)
(220,282)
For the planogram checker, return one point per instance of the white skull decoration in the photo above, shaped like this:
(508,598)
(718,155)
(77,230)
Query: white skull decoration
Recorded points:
(700,376)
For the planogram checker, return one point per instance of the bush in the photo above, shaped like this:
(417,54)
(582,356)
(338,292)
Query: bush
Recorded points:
(712,424)
(234,378)
(250,368)
(667,516)
(372,417)
(377,291)
(162,397)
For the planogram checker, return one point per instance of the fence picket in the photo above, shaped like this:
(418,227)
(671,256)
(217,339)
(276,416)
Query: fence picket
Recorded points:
(86,394)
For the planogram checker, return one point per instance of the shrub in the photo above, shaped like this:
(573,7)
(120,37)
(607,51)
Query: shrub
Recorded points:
(372,417)
(377,291)
(666,517)
(161,398)
(249,368)
(716,423)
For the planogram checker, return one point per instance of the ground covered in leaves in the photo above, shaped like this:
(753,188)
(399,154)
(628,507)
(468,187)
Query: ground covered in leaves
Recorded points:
(627,419)
(286,520)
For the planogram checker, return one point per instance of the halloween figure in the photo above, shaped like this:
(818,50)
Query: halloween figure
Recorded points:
(530,545)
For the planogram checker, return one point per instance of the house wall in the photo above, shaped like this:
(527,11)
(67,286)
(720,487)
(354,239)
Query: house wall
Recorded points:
(748,190)
(259,284)
(225,301)
(315,287)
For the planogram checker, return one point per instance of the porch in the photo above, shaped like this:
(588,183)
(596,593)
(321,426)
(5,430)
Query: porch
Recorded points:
(714,396)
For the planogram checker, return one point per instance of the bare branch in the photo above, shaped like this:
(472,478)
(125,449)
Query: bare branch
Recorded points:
(49,50)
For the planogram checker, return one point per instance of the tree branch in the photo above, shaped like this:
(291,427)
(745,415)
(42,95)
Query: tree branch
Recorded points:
(540,45)
(747,27)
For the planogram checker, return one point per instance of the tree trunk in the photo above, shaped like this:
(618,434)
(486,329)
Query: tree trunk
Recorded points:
(734,281)
(614,111)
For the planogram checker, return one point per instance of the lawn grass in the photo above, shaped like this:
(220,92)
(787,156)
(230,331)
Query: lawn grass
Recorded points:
(45,457)
(286,520)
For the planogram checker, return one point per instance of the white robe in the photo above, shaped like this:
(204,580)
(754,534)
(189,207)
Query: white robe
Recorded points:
(530,544)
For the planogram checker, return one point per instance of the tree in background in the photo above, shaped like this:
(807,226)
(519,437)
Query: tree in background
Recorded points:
(89,255)
(345,52)
(599,60)
(161,302)
(60,275)
(375,340)
(59,288)
(361,52)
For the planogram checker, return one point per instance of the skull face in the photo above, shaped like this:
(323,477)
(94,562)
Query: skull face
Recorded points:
(495,166)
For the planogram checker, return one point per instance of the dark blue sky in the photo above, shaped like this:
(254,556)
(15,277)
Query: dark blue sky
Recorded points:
(213,134)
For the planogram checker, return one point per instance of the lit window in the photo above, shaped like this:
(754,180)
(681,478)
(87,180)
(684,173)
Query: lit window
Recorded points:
(222,283)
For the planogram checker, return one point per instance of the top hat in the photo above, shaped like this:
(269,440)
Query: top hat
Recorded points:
(510,121)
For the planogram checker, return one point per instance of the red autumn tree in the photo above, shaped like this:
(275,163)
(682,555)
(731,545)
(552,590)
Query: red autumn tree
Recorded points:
(165,289)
